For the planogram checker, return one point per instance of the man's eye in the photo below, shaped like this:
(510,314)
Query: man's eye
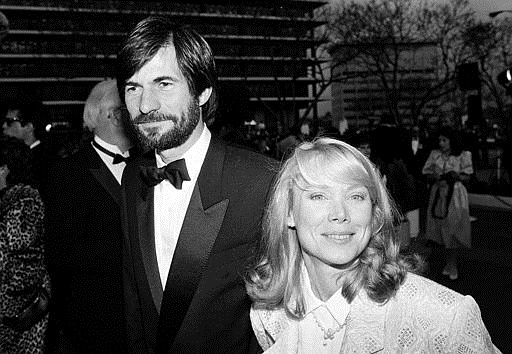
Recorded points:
(317,197)
(130,89)
(165,84)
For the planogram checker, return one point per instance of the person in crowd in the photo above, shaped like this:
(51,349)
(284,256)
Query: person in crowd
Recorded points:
(23,274)
(416,150)
(448,222)
(233,110)
(192,204)
(25,120)
(289,142)
(329,130)
(329,276)
(85,236)
(389,148)
(362,140)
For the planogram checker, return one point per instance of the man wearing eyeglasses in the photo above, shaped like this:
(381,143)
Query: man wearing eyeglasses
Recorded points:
(25,120)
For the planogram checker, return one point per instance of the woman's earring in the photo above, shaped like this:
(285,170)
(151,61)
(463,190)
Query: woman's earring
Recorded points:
(291,222)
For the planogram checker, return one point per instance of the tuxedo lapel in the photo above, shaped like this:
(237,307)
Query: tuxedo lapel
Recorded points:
(145,215)
(143,288)
(201,226)
(196,240)
(103,175)
(146,231)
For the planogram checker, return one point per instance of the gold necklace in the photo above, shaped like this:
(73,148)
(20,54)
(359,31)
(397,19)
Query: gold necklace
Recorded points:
(329,332)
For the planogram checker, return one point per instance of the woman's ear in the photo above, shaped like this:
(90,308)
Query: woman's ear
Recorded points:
(290,221)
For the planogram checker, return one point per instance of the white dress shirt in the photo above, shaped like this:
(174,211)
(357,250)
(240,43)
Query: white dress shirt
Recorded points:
(171,204)
(117,169)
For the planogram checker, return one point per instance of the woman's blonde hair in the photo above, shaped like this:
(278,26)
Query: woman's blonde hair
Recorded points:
(274,279)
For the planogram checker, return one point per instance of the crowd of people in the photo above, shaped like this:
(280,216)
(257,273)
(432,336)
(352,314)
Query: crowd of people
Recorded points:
(159,236)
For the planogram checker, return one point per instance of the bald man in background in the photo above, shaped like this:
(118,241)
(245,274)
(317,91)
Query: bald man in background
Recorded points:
(84,235)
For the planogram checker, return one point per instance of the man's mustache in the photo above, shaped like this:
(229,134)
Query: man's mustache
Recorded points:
(153,118)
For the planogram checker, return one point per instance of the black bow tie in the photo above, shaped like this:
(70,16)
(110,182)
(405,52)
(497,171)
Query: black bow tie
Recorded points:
(176,172)
(118,158)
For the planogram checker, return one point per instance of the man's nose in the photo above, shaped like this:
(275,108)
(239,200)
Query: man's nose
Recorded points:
(148,103)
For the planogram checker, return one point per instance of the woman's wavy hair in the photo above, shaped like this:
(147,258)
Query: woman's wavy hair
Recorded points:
(17,156)
(193,54)
(274,279)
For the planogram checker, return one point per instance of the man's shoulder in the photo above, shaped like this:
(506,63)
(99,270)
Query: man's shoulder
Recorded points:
(77,159)
(251,158)
(74,167)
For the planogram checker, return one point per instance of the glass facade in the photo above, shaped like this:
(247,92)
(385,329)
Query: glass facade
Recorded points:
(59,49)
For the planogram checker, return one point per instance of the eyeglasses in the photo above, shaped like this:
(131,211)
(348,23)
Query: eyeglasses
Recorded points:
(10,120)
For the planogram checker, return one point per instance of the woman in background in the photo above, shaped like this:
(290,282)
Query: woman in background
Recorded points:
(329,276)
(23,318)
(448,223)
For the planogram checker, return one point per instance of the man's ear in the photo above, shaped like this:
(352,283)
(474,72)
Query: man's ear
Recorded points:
(29,126)
(115,116)
(204,96)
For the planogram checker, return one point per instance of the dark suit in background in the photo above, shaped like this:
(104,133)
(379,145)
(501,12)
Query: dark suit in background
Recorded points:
(44,158)
(84,253)
(84,235)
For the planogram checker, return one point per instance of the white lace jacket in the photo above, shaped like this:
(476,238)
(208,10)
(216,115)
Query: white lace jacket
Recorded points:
(424,317)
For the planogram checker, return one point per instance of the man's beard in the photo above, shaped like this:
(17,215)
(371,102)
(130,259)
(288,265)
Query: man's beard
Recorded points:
(151,139)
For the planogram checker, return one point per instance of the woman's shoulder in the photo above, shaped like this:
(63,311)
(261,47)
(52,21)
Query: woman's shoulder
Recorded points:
(417,286)
(431,310)
(465,154)
(268,324)
(434,153)
(424,298)
(272,320)
(20,196)
(22,191)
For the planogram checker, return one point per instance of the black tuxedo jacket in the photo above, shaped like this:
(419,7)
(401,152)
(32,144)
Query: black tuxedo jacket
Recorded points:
(43,158)
(84,254)
(204,307)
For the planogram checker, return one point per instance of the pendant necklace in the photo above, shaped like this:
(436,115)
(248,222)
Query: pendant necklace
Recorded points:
(329,332)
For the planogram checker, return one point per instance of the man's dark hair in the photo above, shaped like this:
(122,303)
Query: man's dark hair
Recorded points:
(194,56)
(29,111)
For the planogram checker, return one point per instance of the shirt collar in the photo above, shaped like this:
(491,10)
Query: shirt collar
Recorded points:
(337,305)
(110,147)
(35,143)
(194,156)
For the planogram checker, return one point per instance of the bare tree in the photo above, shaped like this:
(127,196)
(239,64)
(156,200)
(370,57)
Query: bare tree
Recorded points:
(378,37)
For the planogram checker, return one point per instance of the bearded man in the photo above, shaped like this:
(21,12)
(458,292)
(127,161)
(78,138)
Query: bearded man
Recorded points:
(192,203)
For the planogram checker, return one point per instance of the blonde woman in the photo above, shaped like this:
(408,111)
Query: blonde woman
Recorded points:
(329,277)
